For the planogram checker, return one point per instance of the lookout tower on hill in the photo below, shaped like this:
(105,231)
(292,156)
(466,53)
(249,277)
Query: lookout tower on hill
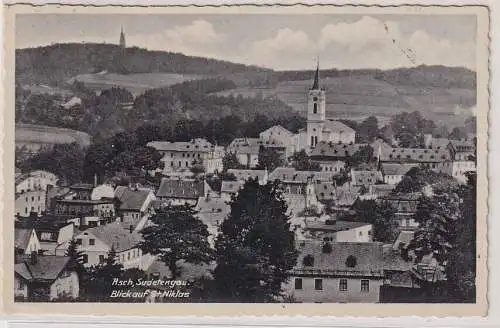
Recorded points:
(122,39)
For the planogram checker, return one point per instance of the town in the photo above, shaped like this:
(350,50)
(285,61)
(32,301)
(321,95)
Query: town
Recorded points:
(328,211)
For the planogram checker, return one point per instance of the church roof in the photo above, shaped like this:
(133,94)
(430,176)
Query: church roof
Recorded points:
(337,126)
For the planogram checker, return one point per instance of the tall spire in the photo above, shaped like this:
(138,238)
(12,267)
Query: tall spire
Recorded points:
(122,38)
(316,77)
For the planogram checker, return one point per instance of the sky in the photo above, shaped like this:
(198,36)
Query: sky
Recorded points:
(281,42)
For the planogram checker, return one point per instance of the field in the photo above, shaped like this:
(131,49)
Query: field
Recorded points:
(36,134)
(356,97)
(135,83)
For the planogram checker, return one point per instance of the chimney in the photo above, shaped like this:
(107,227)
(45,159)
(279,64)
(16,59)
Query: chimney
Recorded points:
(33,258)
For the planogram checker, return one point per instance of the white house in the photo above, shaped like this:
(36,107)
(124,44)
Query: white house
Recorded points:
(333,230)
(394,172)
(35,180)
(182,156)
(337,272)
(51,277)
(280,135)
(95,244)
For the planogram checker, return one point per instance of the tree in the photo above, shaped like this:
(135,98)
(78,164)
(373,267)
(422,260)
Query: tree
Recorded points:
(177,235)
(461,267)
(363,155)
(437,217)
(302,162)
(418,177)
(102,276)
(381,215)
(64,160)
(230,161)
(367,130)
(270,159)
(458,133)
(255,249)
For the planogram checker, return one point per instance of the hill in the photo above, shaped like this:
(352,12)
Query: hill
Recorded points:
(445,94)
(57,63)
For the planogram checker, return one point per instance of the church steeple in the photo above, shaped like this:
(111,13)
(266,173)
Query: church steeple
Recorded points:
(122,38)
(316,78)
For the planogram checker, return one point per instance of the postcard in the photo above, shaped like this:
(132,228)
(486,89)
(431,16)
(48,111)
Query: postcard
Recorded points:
(245,160)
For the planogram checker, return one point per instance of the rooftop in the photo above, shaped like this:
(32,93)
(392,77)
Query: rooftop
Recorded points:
(397,168)
(335,150)
(181,188)
(131,199)
(345,259)
(116,235)
(198,144)
(45,267)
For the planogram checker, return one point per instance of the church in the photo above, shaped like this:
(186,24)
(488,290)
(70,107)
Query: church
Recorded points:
(319,129)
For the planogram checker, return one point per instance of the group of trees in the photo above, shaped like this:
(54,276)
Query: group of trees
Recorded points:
(446,215)
(252,256)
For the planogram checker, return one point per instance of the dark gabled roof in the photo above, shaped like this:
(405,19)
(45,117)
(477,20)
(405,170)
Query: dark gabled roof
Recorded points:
(22,237)
(369,260)
(45,268)
(413,155)
(365,177)
(397,168)
(181,188)
(131,199)
(334,150)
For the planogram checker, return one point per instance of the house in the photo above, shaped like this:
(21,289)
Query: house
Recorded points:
(95,244)
(178,191)
(246,151)
(281,136)
(462,150)
(380,190)
(299,188)
(32,201)
(245,175)
(35,180)
(459,169)
(337,198)
(45,278)
(430,158)
(365,177)
(337,272)
(333,230)
(332,157)
(182,156)
(52,234)
(133,203)
(26,241)
(229,189)
(394,172)
(406,207)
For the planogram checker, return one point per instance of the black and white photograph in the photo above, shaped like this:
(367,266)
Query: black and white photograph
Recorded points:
(223,157)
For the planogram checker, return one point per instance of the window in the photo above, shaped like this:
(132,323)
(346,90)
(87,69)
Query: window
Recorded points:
(361,233)
(365,285)
(315,108)
(343,285)
(101,258)
(318,284)
(92,240)
(308,260)
(85,258)
(128,256)
(298,283)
